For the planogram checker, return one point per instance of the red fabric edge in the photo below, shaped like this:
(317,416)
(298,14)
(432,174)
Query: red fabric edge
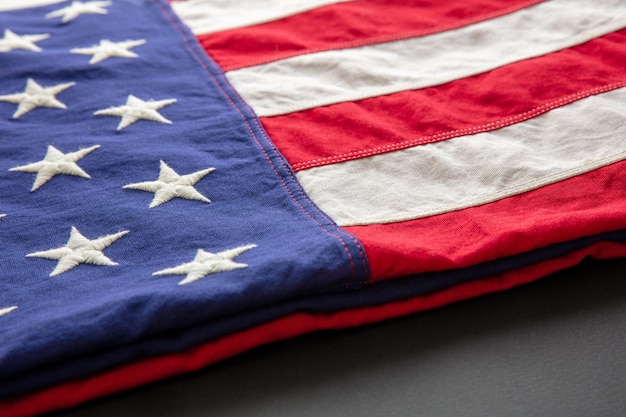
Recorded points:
(144,371)
(552,214)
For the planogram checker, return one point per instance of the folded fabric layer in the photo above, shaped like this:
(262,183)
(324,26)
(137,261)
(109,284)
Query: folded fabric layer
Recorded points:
(146,211)
(378,294)
(147,370)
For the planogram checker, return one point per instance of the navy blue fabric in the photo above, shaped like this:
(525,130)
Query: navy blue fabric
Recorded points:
(255,199)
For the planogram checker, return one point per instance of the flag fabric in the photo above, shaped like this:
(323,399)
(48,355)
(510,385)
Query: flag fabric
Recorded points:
(183,181)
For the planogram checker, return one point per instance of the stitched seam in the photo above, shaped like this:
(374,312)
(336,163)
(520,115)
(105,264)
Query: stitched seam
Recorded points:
(506,192)
(507,121)
(356,94)
(542,180)
(322,213)
(382,38)
(250,130)
(203,65)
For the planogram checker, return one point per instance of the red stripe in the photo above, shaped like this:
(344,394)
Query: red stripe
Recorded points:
(581,206)
(504,96)
(148,370)
(348,25)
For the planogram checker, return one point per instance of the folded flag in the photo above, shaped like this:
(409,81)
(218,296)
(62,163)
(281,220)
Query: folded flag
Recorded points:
(181,182)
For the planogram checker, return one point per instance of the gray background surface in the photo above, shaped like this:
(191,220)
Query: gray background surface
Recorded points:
(553,348)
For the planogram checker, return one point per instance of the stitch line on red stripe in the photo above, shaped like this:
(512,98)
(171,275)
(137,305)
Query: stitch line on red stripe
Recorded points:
(507,121)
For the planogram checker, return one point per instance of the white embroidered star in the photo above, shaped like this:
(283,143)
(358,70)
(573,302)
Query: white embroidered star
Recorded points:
(54,163)
(206,263)
(136,109)
(107,49)
(170,185)
(36,96)
(78,8)
(7,310)
(12,41)
(79,250)
(2,215)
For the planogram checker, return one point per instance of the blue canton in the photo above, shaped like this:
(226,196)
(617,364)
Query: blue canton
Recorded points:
(79,137)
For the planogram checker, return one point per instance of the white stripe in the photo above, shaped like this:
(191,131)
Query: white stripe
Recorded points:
(323,78)
(207,16)
(24,4)
(473,170)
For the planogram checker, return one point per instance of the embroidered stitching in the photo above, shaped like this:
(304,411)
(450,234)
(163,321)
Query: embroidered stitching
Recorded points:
(7,310)
(136,109)
(56,163)
(206,263)
(78,8)
(107,49)
(250,130)
(79,250)
(170,185)
(12,41)
(36,96)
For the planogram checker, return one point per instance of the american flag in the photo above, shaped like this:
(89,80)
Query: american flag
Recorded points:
(181,182)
